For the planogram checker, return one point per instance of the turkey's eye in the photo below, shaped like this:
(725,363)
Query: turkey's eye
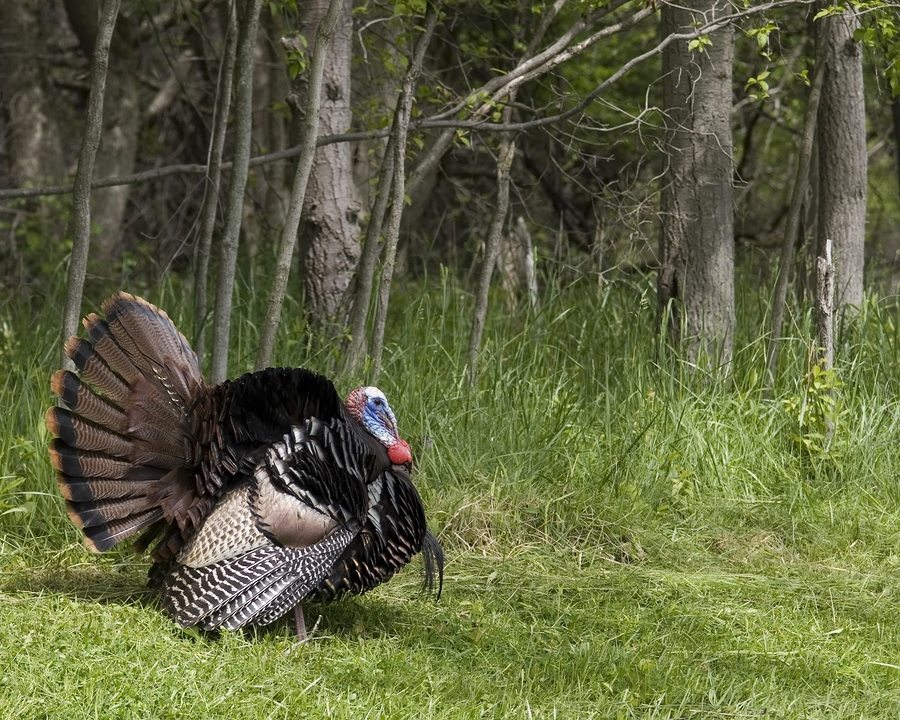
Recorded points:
(378,402)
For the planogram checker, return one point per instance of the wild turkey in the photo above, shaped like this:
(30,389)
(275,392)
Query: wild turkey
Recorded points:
(254,494)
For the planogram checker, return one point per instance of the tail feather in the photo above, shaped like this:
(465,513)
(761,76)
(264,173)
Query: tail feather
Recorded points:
(81,401)
(102,537)
(94,514)
(71,462)
(83,490)
(124,442)
(151,404)
(156,346)
(107,348)
(78,433)
(95,371)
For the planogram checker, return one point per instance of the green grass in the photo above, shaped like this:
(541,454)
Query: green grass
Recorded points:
(624,538)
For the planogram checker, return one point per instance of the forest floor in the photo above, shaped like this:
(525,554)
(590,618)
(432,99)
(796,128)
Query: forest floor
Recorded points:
(623,539)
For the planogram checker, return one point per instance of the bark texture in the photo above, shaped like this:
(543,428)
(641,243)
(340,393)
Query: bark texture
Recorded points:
(121,125)
(491,251)
(842,156)
(825,323)
(32,136)
(330,228)
(696,277)
(324,32)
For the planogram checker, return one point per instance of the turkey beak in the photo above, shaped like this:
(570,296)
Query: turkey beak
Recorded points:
(390,422)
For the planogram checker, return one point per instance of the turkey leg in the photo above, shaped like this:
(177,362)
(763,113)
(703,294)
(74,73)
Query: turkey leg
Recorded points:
(299,623)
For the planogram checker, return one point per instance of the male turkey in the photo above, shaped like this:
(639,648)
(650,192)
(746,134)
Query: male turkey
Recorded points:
(254,493)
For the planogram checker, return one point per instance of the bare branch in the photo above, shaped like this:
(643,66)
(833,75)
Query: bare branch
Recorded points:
(571,52)
(531,62)
(704,29)
(440,145)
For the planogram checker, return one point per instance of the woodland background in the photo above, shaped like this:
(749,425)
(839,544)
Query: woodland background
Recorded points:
(631,149)
(578,245)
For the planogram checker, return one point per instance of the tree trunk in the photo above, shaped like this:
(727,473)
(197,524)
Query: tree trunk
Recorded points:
(32,137)
(30,141)
(361,288)
(491,249)
(397,145)
(324,32)
(121,125)
(212,181)
(84,174)
(842,156)
(330,229)
(696,277)
(792,226)
(248,22)
(276,176)
(895,116)
(825,326)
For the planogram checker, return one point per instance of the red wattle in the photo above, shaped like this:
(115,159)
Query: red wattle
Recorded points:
(399,453)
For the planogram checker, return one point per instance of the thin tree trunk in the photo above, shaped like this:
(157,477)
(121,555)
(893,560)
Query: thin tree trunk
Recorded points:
(276,176)
(404,108)
(825,321)
(298,191)
(229,250)
(695,288)
(526,248)
(492,246)
(213,179)
(842,155)
(361,286)
(793,222)
(491,249)
(515,262)
(83,175)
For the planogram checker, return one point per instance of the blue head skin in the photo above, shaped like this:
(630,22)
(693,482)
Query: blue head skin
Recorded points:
(370,408)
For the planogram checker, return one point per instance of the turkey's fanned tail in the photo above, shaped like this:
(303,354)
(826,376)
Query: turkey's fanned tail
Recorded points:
(123,435)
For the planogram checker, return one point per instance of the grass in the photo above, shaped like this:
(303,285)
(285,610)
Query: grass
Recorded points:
(625,539)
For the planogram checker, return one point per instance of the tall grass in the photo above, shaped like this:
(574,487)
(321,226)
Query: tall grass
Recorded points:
(626,537)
